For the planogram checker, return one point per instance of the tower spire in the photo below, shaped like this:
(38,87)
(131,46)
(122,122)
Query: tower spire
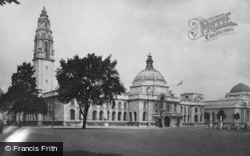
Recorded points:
(44,54)
(149,62)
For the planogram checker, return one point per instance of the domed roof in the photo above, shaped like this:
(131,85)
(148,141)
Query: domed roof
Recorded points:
(149,73)
(240,88)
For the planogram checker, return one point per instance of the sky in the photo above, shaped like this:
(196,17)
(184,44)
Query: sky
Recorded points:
(131,29)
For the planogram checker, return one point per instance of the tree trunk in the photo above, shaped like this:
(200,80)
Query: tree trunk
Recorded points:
(84,114)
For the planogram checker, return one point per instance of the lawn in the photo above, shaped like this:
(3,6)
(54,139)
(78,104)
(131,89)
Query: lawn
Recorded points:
(144,141)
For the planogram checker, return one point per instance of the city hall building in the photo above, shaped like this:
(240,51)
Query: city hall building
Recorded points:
(141,106)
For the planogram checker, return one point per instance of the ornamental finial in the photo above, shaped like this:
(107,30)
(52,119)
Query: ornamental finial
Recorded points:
(149,62)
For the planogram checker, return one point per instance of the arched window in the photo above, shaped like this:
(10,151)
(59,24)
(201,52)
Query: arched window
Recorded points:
(119,116)
(108,114)
(113,116)
(144,116)
(134,116)
(101,115)
(196,118)
(113,105)
(94,115)
(125,116)
(72,114)
(130,116)
(196,109)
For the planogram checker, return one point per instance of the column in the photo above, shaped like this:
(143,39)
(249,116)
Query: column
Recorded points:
(40,119)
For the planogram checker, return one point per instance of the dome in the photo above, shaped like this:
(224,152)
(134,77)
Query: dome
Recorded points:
(240,88)
(153,75)
(149,73)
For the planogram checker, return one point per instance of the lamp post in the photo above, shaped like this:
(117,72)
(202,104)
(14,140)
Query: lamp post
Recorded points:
(19,114)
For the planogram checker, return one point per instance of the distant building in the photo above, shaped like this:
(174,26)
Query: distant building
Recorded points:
(236,101)
(141,106)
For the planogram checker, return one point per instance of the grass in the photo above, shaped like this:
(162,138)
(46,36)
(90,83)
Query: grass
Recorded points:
(145,142)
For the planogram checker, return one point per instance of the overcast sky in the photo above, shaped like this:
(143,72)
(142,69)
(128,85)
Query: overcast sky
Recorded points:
(130,30)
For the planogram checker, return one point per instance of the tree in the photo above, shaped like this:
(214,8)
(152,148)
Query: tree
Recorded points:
(22,95)
(207,116)
(89,80)
(3,2)
(236,116)
(222,114)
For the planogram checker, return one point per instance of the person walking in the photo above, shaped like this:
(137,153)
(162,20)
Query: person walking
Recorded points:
(1,127)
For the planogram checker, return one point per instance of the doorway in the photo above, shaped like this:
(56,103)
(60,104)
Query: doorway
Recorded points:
(167,121)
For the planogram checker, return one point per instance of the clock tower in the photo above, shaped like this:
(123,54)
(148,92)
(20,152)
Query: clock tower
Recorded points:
(43,60)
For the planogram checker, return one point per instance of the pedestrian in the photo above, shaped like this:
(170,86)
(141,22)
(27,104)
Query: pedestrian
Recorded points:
(1,127)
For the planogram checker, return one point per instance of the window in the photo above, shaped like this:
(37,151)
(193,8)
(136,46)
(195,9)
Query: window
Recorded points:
(113,116)
(130,116)
(101,115)
(175,106)
(167,108)
(185,118)
(144,116)
(46,81)
(161,105)
(196,110)
(125,105)
(72,102)
(201,118)
(181,109)
(119,116)
(145,105)
(119,105)
(125,116)
(186,97)
(72,114)
(94,115)
(134,116)
(113,105)
(108,114)
(196,118)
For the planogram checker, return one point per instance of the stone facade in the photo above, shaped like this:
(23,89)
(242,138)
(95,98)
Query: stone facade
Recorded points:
(236,101)
(142,106)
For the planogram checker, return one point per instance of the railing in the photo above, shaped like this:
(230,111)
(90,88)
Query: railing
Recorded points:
(227,125)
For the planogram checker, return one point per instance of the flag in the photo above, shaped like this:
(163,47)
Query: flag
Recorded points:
(179,83)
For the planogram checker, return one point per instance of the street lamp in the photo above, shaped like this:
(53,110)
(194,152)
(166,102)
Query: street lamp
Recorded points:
(19,114)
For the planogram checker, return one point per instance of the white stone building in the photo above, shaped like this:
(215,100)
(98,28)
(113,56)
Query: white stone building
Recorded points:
(141,106)
(236,101)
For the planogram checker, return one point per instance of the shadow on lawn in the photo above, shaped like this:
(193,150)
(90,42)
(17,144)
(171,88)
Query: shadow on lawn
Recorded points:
(88,153)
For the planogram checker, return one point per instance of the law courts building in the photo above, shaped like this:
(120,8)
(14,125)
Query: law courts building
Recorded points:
(140,106)
(237,100)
